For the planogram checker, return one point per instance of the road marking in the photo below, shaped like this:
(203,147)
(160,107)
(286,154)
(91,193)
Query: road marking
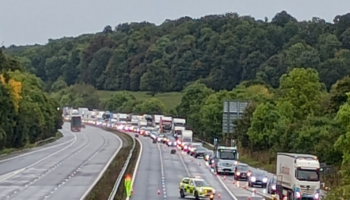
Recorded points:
(162,171)
(104,169)
(36,151)
(79,168)
(136,165)
(49,156)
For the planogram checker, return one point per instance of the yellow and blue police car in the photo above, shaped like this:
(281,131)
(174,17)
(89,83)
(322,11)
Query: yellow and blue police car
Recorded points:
(197,188)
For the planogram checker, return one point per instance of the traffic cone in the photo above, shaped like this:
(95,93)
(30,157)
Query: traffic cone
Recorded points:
(158,192)
(132,190)
(191,159)
(225,178)
(199,164)
(238,185)
(219,195)
(234,182)
(254,190)
(216,174)
(249,198)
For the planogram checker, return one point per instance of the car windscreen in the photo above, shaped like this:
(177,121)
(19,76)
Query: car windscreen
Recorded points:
(243,167)
(201,183)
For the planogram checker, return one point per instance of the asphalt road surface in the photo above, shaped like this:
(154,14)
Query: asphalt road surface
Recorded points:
(59,172)
(160,170)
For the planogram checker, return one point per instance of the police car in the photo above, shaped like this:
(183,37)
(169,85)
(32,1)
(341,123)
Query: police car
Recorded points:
(196,187)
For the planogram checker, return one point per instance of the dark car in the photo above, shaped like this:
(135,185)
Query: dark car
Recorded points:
(193,146)
(271,185)
(198,152)
(258,178)
(242,172)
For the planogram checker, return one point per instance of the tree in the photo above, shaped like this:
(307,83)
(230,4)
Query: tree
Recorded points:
(118,101)
(156,78)
(150,106)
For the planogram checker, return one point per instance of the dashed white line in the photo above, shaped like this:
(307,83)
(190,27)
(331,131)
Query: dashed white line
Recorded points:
(162,172)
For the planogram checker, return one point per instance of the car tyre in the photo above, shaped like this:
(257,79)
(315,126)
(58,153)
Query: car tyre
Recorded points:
(182,194)
(196,196)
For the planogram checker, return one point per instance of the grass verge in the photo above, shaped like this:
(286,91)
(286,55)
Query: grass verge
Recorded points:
(121,194)
(170,99)
(9,151)
(105,185)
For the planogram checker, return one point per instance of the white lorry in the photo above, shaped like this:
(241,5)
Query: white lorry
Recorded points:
(122,117)
(186,136)
(298,176)
(178,123)
(166,124)
(157,120)
(225,159)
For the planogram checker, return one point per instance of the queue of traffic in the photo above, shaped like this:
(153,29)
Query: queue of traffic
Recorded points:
(297,174)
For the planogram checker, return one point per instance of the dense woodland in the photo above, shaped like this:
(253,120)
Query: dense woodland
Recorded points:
(27,114)
(296,75)
(219,50)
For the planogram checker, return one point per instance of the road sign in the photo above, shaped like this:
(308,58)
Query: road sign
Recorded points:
(232,110)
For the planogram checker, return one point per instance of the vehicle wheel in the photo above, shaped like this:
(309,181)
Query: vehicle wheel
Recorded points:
(211,199)
(268,190)
(196,197)
(182,194)
(195,156)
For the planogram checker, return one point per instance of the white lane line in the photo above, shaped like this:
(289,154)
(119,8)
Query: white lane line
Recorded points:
(36,151)
(136,166)
(222,183)
(162,171)
(49,156)
(49,170)
(105,143)
(104,169)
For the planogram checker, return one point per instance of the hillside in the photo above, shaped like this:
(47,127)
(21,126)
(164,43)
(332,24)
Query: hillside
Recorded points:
(219,50)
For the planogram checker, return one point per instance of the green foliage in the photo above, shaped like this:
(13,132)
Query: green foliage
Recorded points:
(298,117)
(219,50)
(27,114)
(78,95)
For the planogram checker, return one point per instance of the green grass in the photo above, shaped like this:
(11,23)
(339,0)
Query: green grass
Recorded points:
(170,99)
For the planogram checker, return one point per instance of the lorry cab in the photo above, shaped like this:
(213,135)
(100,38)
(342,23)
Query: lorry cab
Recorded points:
(298,176)
(226,159)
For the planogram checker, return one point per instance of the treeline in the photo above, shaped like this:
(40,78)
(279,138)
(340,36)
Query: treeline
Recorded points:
(27,114)
(219,50)
(83,95)
(300,116)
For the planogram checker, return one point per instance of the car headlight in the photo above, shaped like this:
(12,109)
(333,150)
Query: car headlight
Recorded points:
(200,190)
(252,179)
(264,180)
(317,196)
(238,173)
(273,187)
(214,191)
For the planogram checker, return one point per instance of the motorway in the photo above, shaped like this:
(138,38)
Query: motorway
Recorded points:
(65,169)
(160,170)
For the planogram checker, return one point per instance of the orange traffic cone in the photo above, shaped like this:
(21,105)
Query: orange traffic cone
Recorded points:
(158,192)
(216,174)
(249,198)
(199,164)
(191,159)
(219,195)
(254,190)
(225,178)
(132,190)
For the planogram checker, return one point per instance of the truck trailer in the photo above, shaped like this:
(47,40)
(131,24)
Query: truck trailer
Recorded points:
(298,176)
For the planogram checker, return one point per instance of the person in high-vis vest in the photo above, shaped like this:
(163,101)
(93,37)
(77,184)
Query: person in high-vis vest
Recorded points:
(127,183)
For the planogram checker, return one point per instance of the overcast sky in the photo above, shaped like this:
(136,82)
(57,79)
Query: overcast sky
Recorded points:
(35,21)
